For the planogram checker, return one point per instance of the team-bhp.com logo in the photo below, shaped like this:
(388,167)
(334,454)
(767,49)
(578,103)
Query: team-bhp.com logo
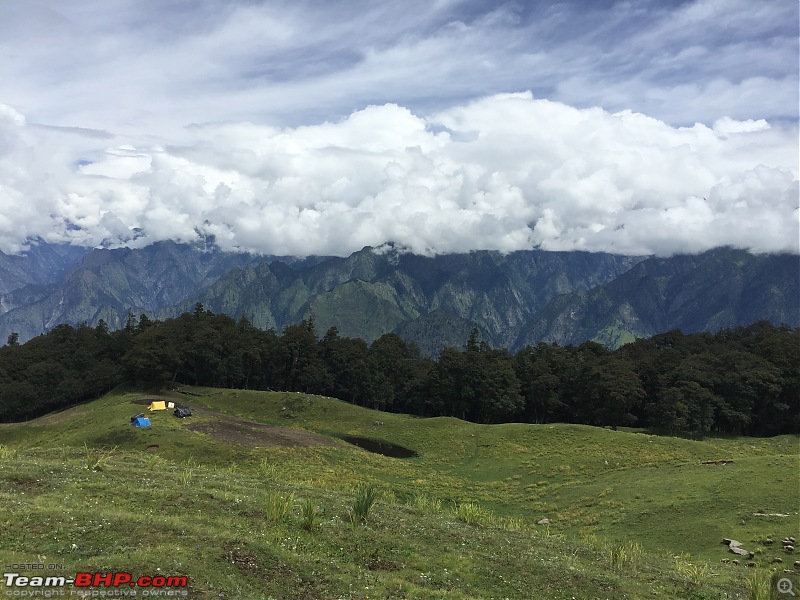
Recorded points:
(121,584)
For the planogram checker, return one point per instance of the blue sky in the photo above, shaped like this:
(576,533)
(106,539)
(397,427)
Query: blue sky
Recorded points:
(319,127)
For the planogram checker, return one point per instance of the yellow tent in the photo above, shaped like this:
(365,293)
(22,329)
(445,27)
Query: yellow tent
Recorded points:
(158,405)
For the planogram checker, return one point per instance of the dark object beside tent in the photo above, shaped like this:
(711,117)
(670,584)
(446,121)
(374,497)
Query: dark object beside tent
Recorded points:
(182,412)
(139,416)
(141,422)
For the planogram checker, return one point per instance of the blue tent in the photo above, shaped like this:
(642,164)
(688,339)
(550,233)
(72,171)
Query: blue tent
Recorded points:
(141,422)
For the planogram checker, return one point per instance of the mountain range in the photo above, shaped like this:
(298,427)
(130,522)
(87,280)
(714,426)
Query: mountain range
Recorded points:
(513,299)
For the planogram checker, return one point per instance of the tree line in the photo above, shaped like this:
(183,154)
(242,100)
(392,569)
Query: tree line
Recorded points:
(737,381)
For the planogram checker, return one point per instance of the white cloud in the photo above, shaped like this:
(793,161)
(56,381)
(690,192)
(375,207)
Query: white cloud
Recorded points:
(726,125)
(245,119)
(506,172)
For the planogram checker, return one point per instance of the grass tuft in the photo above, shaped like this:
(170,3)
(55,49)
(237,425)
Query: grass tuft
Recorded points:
(472,513)
(186,477)
(277,506)
(309,514)
(366,496)
(425,504)
(96,458)
(7,453)
(512,524)
(267,469)
(695,573)
(759,585)
(624,556)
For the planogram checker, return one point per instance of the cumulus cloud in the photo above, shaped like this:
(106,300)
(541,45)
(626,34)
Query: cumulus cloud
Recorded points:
(305,127)
(505,172)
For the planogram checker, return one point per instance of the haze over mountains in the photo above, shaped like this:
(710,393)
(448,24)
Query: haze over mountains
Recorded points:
(513,299)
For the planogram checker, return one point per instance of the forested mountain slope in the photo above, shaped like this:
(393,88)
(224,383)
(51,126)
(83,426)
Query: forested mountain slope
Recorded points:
(107,284)
(376,291)
(41,264)
(512,299)
(706,292)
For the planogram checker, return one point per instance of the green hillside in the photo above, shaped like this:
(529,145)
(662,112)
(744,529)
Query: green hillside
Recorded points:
(707,292)
(457,520)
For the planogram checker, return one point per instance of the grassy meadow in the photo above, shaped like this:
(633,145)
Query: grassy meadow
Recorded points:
(252,511)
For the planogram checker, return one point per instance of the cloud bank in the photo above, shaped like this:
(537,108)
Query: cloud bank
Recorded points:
(310,127)
(507,172)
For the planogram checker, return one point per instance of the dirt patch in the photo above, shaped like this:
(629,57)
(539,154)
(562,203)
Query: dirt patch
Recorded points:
(271,569)
(246,562)
(382,565)
(23,482)
(152,448)
(719,463)
(234,430)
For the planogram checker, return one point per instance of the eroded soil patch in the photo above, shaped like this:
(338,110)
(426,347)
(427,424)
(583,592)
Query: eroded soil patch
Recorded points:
(246,562)
(377,564)
(23,483)
(234,430)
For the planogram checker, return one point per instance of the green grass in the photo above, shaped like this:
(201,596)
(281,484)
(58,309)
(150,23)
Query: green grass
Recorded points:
(366,496)
(472,514)
(85,489)
(277,506)
(309,514)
